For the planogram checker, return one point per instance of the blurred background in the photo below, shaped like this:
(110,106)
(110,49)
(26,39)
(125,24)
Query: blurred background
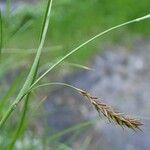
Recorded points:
(114,67)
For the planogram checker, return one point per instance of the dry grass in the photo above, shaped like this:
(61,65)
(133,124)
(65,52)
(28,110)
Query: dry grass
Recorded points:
(111,114)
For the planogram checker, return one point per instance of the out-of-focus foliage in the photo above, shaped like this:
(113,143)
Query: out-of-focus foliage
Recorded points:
(74,21)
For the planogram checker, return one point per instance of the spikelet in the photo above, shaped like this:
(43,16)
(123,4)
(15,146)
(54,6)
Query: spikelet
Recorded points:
(112,115)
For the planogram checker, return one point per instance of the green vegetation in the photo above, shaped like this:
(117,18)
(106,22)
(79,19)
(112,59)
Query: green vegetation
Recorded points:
(72,23)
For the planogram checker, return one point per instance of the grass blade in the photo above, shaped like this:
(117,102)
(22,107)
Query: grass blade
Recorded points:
(1,34)
(8,7)
(12,89)
(27,87)
(34,67)
(32,74)
(87,42)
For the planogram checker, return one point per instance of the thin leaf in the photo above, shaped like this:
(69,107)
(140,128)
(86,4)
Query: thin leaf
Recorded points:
(27,87)
(1,34)
(32,75)
(12,89)
(87,42)
(34,67)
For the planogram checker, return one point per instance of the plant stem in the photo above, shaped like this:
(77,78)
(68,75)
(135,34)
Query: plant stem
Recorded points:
(28,87)
(34,67)
(85,43)
(25,108)
(58,83)
(1,34)
(21,123)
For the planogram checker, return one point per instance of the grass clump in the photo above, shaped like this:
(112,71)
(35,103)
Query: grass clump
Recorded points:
(33,80)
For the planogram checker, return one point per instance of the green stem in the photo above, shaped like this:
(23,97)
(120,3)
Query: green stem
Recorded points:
(34,67)
(22,119)
(27,87)
(25,108)
(58,83)
(85,43)
(1,34)
(21,123)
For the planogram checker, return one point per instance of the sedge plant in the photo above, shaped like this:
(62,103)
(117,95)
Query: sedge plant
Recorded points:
(33,80)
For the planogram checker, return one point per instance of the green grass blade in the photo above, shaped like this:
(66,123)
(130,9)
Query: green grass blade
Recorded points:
(21,123)
(12,89)
(71,129)
(8,7)
(34,67)
(87,42)
(1,34)
(33,75)
(27,88)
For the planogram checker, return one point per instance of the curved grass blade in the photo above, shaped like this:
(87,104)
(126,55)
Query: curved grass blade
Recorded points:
(71,129)
(28,87)
(87,42)
(105,109)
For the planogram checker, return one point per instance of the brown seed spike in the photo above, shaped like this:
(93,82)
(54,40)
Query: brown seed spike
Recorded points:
(112,115)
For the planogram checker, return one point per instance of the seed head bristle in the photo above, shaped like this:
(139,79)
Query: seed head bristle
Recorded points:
(113,116)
